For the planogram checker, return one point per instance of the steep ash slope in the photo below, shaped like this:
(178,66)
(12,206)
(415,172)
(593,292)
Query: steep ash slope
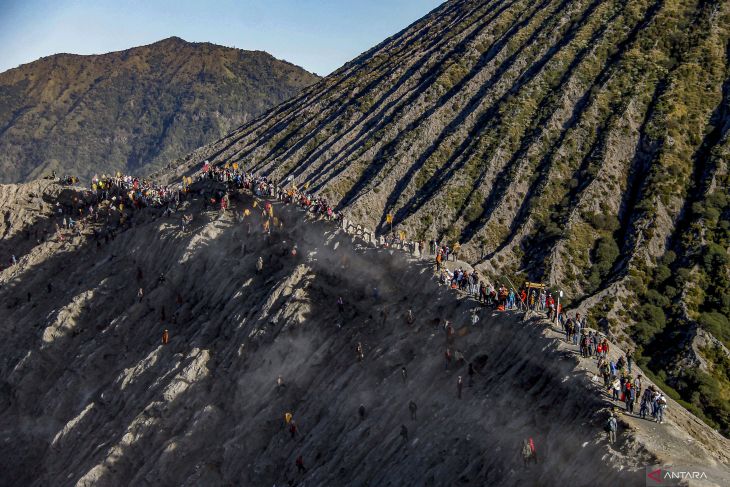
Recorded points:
(578,142)
(132,110)
(90,396)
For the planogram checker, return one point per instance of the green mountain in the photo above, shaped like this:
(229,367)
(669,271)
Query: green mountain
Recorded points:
(583,143)
(132,110)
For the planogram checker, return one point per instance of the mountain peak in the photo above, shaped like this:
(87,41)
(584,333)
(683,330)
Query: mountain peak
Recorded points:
(172,40)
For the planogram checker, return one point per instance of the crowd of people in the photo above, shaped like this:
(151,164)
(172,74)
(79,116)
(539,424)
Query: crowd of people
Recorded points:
(501,297)
(105,209)
(618,381)
(286,191)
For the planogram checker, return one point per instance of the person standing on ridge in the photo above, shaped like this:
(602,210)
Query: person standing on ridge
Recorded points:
(629,360)
(630,396)
(616,389)
(165,337)
(645,402)
(638,386)
(611,428)
(459,386)
(661,405)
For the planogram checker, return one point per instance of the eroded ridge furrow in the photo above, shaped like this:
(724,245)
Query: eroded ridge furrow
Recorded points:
(527,22)
(427,81)
(399,104)
(548,111)
(612,65)
(333,93)
(646,170)
(546,106)
(490,120)
(389,106)
(306,100)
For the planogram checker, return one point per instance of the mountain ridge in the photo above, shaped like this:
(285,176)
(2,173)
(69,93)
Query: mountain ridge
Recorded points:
(127,109)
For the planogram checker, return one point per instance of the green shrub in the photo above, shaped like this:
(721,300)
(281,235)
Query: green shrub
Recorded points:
(717,324)
(606,253)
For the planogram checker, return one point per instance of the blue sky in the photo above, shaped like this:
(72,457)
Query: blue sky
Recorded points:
(319,35)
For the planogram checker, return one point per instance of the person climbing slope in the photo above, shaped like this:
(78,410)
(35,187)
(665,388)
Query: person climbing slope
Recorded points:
(412,408)
(341,305)
(293,429)
(410,319)
(300,465)
(529,453)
